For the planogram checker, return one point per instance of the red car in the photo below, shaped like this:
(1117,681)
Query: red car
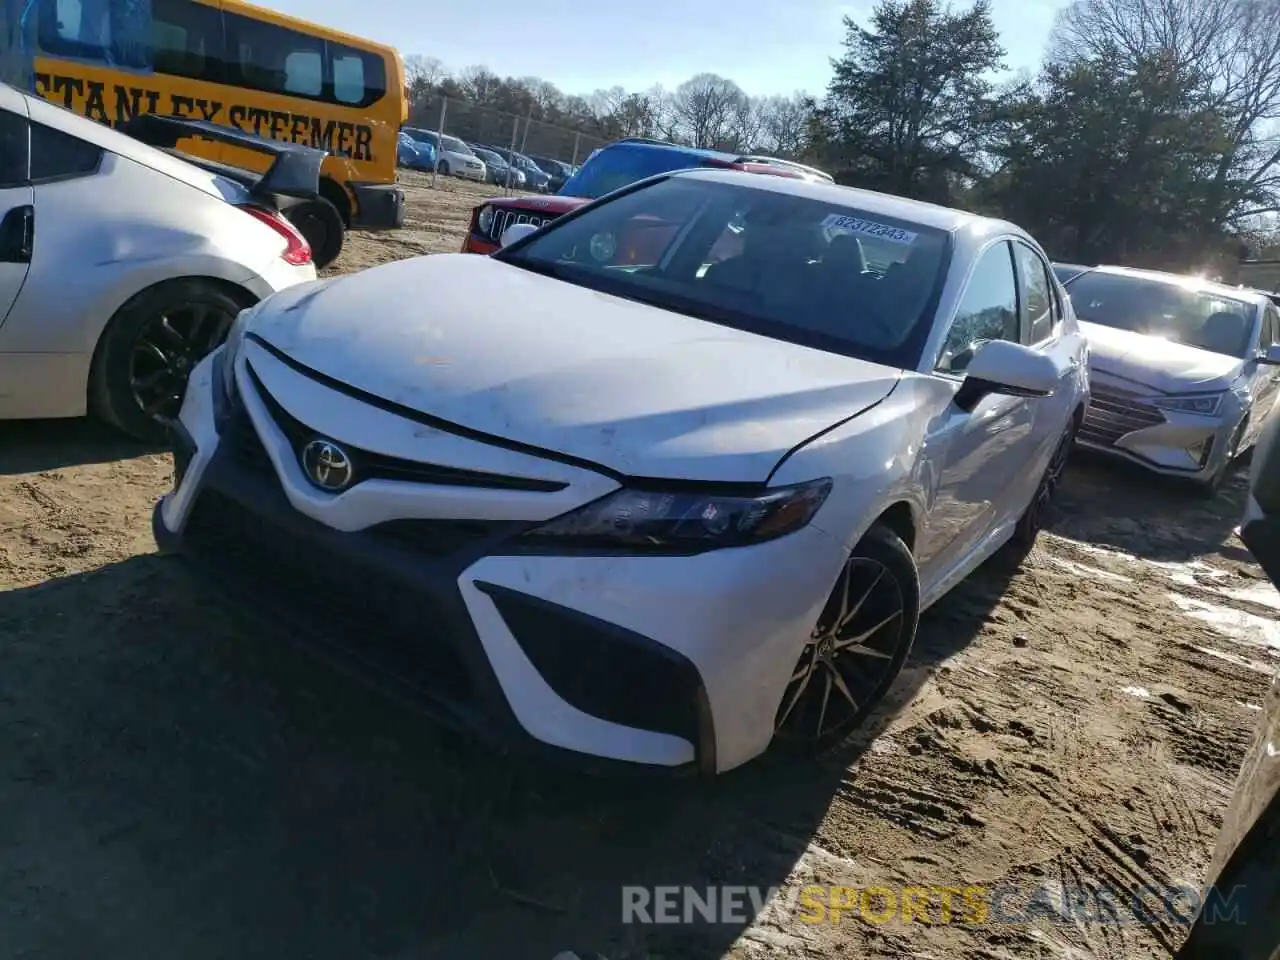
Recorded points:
(608,169)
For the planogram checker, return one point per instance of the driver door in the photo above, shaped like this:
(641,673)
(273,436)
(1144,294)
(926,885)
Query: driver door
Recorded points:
(17,198)
(974,456)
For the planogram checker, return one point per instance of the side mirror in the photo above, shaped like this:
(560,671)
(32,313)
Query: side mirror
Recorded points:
(517,231)
(999,366)
(1270,356)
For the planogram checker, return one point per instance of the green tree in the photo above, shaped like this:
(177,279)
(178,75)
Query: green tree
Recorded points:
(910,107)
(1106,161)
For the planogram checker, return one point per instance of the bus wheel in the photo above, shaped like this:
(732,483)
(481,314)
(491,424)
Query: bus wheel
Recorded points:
(319,221)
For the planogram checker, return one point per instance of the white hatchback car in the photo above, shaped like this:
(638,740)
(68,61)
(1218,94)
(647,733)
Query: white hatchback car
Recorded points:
(662,482)
(121,266)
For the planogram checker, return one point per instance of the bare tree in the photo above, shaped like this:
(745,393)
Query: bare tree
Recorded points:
(479,84)
(706,108)
(423,72)
(785,123)
(1232,50)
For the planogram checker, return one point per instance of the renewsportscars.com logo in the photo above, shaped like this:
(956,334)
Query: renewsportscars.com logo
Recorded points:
(932,904)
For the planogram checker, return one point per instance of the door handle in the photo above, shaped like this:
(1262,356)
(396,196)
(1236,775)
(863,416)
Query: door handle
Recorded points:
(18,235)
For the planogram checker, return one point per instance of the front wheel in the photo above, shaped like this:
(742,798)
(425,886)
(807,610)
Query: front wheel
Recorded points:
(147,352)
(856,649)
(443,168)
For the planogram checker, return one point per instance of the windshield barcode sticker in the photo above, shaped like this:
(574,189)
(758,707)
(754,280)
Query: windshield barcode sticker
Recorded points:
(869,228)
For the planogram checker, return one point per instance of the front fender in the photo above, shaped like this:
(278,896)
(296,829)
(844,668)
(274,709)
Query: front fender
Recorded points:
(874,462)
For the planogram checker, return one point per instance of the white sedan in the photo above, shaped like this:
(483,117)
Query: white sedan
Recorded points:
(121,266)
(664,482)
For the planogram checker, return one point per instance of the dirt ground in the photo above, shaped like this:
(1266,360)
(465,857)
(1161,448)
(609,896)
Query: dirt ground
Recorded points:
(179,783)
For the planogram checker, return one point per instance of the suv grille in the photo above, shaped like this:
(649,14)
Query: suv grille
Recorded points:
(1114,413)
(507,218)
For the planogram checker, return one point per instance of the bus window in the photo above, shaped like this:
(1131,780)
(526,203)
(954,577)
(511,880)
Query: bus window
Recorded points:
(348,76)
(236,64)
(187,40)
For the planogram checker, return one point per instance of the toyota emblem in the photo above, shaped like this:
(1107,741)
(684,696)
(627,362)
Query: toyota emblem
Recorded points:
(327,465)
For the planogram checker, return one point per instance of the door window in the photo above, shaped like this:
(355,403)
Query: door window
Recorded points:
(13,149)
(988,310)
(1039,316)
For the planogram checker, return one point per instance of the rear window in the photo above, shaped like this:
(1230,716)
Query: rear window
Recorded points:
(613,168)
(791,268)
(1171,311)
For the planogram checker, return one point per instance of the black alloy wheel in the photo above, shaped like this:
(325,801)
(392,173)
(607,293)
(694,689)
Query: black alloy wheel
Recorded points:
(149,348)
(165,350)
(1033,518)
(856,649)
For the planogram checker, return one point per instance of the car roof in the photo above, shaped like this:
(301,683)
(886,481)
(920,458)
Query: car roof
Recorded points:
(652,146)
(113,141)
(1198,284)
(865,201)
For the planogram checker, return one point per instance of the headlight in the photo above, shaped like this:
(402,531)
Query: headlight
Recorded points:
(682,521)
(1206,404)
(485,220)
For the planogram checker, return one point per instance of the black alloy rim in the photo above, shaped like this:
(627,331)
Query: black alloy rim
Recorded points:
(851,653)
(166,349)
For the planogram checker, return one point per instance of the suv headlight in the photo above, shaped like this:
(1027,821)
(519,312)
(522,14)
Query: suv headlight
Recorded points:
(485,220)
(1206,404)
(683,521)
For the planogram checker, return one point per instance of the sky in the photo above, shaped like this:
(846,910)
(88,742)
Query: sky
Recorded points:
(765,46)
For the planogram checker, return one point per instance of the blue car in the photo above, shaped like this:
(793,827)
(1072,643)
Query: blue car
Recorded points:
(415,154)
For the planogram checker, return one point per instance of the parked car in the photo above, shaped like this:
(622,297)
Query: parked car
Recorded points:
(535,177)
(1183,370)
(1240,913)
(608,168)
(501,173)
(415,154)
(122,265)
(664,515)
(559,173)
(1068,271)
(812,174)
(453,157)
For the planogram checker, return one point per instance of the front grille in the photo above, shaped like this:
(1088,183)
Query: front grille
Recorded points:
(1113,413)
(242,444)
(368,465)
(508,218)
(329,597)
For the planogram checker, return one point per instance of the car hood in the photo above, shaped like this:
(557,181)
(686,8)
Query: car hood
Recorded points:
(554,206)
(523,357)
(1161,365)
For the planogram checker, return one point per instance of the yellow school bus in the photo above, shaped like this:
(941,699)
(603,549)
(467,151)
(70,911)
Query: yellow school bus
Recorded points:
(242,66)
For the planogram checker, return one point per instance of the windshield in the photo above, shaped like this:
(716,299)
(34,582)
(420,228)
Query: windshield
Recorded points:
(1172,311)
(454,145)
(422,136)
(489,157)
(794,269)
(613,168)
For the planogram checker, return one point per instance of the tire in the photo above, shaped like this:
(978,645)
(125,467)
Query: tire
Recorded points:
(866,669)
(320,222)
(1032,520)
(444,169)
(1210,488)
(198,311)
